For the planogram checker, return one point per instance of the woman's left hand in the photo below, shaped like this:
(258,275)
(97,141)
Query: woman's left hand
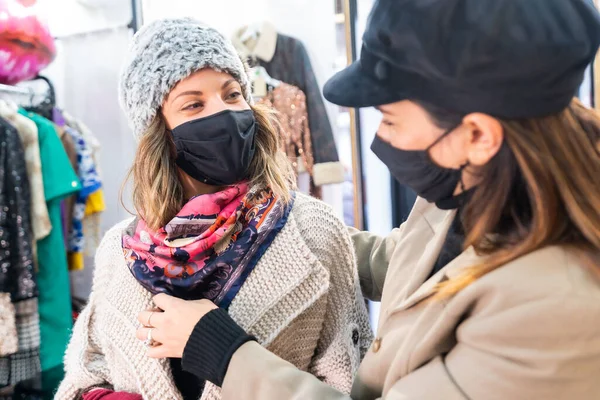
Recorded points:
(172,325)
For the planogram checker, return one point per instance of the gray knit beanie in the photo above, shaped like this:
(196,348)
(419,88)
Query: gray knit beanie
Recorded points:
(165,52)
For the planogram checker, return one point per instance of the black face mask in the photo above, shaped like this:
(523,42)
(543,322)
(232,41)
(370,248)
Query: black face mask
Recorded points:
(416,170)
(218,149)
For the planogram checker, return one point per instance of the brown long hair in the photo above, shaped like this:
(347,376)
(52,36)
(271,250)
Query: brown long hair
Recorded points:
(542,188)
(157,190)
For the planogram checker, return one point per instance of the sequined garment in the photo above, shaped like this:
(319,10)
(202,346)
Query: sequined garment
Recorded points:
(16,256)
(290,102)
(16,259)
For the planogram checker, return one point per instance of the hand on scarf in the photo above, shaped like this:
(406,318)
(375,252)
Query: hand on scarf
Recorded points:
(172,325)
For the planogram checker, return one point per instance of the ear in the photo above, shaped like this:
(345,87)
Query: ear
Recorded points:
(486,138)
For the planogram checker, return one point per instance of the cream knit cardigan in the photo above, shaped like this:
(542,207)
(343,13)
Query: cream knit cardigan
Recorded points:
(302,301)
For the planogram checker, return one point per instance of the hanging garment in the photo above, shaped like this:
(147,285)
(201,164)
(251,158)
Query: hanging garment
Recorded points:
(8,327)
(290,102)
(90,183)
(87,134)
(68,203)
(286,59)
(20,354)
(208,250)
(94,207)
(60,181)
(25,363)
(95,204)
(29,138)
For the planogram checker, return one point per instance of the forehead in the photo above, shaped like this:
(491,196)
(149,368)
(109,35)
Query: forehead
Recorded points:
(404,108)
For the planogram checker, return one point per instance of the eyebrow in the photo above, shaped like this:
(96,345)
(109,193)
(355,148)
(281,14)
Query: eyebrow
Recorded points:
(381,110)
(188,93)
(229,82)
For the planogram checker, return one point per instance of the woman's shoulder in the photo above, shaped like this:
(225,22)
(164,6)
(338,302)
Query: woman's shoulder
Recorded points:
(308,209)
(545,299)
(113,236)
(316,219)
(321,229)
(552,274)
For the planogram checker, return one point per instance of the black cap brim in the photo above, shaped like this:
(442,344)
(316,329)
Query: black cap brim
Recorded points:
(353,87)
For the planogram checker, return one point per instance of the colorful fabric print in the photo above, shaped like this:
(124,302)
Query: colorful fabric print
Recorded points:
(211,246)
(90,183)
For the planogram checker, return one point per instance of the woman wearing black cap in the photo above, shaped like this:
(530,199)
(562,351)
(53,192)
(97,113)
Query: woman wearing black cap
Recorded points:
(491,289)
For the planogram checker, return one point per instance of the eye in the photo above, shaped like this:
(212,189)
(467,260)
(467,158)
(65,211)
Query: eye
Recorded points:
(192,106)
(387,123)
(234,95)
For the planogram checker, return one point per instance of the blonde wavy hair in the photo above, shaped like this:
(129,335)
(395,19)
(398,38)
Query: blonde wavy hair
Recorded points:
(158,193)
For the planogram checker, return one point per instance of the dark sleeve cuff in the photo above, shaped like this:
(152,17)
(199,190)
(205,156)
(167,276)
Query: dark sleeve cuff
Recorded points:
(211,345)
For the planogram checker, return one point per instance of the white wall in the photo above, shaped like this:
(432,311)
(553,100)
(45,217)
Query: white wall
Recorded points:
(587,88)
(224,15)
(68,17)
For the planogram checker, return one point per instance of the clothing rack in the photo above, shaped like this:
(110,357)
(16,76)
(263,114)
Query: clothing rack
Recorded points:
(16,90)
(50,99)
(44,107)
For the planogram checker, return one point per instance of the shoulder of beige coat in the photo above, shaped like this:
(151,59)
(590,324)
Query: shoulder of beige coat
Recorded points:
(551,274)
(549,271)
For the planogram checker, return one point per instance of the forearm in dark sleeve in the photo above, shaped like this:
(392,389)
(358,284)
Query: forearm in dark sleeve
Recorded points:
(212,344)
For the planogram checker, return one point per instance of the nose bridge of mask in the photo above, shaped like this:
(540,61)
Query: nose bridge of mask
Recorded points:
(205,129)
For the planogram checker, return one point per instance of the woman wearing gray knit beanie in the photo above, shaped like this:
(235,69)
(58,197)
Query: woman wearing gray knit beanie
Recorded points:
(216,218)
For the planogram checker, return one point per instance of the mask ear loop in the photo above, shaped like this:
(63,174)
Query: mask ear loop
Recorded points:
(462,167)
(460,181)
(432,145)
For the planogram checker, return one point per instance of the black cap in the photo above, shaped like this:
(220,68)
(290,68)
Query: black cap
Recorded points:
(507,58)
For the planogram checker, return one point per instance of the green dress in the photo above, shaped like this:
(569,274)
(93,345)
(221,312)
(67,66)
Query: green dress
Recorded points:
(60,181)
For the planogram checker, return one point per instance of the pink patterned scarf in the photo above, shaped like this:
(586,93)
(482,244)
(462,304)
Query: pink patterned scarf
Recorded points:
(208,250)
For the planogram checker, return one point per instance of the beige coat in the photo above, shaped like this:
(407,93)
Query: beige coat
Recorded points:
(529,330)
(302,301)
